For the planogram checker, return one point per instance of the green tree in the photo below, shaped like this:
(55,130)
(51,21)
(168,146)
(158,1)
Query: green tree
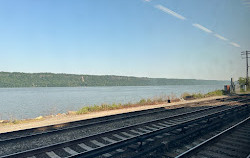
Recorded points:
(242,80)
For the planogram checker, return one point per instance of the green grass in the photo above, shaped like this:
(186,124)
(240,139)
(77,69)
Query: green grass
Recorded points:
(200,95)
(215,93)
(104,107)
(149,101)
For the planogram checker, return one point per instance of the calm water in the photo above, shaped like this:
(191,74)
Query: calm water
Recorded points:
(21,103)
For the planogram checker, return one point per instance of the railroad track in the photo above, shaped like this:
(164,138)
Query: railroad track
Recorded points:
(23,140)
(104,144)
(232,142)
(47,130)
(176,141)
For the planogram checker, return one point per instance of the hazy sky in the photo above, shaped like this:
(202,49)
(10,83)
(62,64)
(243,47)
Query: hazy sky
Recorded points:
(199,39)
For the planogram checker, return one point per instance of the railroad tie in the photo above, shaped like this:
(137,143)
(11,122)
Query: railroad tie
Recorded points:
(85,147)
(178,120)
(119,137)
(109,140)
(127,134)
(168,123)
(195,143)
(31,157)
(151,128)
(144,130)
(202,140)
(178,130)
(150,140)
(137,132)
(97,143)
(106,155)
(189,146)
(157,126)
(179,151)
(70,151)
(167,134)
(162,124)
(120,150)
(159,136)
(172,121)
(51,154)
(101,145)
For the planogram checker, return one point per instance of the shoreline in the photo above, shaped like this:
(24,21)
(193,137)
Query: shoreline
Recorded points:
(65,118)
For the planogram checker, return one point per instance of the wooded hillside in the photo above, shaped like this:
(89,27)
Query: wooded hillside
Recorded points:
(16,79)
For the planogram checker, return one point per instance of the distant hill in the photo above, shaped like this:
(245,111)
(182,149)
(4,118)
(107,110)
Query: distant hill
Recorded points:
(16,79)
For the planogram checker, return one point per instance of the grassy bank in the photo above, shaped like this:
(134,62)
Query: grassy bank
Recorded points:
(153,101)
(187,96)
(142,102)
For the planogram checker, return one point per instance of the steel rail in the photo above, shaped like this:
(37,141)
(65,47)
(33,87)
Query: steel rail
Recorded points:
(119,144)
(210,140)
(228,117)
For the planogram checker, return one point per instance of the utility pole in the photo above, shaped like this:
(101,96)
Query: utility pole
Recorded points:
(244,55)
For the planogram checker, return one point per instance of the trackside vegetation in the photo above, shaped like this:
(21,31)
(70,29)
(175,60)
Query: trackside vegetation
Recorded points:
(105,107)
(143,102)
(187,96)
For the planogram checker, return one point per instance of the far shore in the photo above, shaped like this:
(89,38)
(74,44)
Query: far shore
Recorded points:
(73,116)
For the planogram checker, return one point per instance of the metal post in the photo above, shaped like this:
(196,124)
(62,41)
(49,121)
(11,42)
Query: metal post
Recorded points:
(232,87)
(247,68)
(246,57)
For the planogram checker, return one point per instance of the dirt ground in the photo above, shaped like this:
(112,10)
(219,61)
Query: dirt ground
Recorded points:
(70,118)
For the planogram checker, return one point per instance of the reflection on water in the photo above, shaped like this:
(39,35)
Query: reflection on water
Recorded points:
(21,103)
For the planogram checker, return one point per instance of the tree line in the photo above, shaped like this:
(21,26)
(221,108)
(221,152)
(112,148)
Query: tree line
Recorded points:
(17,79)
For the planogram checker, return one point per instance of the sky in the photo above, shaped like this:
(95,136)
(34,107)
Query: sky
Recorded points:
(196,39)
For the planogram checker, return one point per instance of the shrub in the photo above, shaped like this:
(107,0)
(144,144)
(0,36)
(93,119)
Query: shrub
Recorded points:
(142,102)
(198,95)
(215,93)
(83,110)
